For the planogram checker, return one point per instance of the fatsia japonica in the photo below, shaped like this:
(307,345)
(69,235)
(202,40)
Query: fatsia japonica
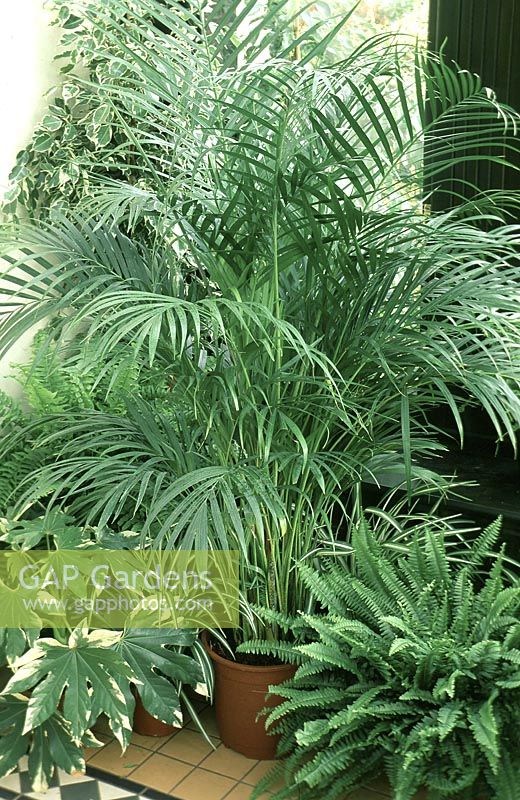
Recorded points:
(60,688)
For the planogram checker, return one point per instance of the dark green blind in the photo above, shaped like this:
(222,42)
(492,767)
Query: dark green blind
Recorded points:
(484,37)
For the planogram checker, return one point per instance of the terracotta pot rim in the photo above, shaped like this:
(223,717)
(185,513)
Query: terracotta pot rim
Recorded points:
(251,668)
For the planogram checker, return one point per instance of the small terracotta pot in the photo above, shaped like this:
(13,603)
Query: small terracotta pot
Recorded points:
(146,725)
(240,694)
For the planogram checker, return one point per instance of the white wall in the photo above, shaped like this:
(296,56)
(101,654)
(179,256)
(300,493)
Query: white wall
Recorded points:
(27,47)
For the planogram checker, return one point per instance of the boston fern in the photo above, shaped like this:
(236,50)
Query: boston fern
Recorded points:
(413,669)
(55,383)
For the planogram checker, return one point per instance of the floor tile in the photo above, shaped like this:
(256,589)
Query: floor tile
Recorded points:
(257,772)
(12,782)
(227,762)
(84,790)
(111,760)
(188,746)
(50,794)
(207,718)
(108,791)
(203,785)
(242,791)
(150,742)
(77,777)
(127,788)
(161,772)
(88,752)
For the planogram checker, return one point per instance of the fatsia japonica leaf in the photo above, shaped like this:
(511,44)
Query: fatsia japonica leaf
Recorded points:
(54,525)
(48,746)
(13,741)
(14,641)
(155,660)
(84,675)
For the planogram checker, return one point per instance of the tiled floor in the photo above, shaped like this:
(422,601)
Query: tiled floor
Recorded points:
(183,766)
(187,767)
(17,786)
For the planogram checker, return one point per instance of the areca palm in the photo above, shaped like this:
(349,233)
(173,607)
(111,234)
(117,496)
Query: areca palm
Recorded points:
(308,313)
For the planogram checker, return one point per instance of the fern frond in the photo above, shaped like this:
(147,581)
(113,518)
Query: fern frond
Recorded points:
(483,546)
(422,686)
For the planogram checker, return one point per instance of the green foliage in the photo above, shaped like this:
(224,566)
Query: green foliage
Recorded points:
(14,642)
(411,669)
(54,530)
(19,460)
(72,681)
(154,656)
(58,382)
(85,135)
(48,746)
(303,317)
(80,132)
(58,672)
(371,18)
(250,316)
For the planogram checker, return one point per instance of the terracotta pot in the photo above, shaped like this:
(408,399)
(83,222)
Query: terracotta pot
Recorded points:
(240,694)
(146,725)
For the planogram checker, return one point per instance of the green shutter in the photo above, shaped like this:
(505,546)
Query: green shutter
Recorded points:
(484,37)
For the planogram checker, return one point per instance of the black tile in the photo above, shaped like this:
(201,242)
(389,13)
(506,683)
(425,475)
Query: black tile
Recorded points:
(87,790)
(155,794)
(115,780)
